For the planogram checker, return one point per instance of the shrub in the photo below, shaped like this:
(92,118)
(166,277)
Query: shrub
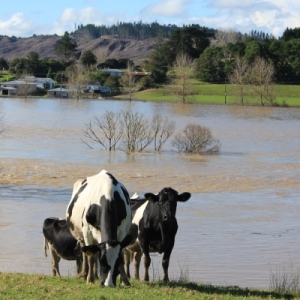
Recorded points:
(196,139)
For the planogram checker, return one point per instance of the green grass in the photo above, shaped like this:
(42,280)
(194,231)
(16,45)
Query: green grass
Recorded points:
(7,77)
(215,94)
(25,286)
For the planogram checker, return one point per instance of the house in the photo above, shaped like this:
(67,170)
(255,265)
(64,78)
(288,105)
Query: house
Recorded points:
(27,85)
(18,87)
(59,92)
(97,89)
(43,83)
(112,72)
(8,91)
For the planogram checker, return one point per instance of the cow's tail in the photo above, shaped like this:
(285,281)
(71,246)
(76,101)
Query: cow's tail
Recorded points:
(45,247)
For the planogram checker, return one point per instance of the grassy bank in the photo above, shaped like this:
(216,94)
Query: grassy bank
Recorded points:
(24,286)
(215,94)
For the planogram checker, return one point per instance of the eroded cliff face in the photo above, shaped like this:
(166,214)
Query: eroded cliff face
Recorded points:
(103,47)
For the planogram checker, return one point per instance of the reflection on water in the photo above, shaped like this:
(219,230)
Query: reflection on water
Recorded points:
(242,218)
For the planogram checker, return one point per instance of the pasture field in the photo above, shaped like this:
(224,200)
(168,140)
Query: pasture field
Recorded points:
(25,286)
(215,94)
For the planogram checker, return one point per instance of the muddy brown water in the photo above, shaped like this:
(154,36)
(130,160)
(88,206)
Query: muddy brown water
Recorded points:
(241,224)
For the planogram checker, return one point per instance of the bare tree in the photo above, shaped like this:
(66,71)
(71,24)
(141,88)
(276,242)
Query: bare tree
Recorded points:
(129,81)
(162,129)
(111,131)
(137,132)
(223,37)
(26,86)
(261,78)
(196,139)
(181,74)
(77,80)
(127,131)
(240,76)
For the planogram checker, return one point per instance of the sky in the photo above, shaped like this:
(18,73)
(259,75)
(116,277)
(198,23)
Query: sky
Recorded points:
(23,18)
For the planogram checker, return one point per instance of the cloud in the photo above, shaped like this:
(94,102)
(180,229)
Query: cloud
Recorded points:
(168,8)
(17,26)
(269,16)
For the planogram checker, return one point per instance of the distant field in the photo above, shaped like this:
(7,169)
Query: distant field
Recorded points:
(215,94)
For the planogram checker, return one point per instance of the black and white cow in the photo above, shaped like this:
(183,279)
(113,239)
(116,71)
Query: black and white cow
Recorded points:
(99,217)
(61,243)
(153,229)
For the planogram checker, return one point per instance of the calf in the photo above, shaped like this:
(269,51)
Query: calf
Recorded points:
(153,229)
(61,243)
(99,217)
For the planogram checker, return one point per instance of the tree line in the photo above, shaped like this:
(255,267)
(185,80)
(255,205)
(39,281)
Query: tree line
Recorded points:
(189,51)
(135,30)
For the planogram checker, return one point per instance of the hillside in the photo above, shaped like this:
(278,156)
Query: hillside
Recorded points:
(104,47)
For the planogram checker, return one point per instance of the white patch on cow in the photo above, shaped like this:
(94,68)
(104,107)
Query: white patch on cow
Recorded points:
(136,220)
(139,214)
(112,254)
(135,196)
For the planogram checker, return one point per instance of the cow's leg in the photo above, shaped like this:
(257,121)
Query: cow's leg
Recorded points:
(91,268)
(144,244)
(165,266)
(55,262)
(123,276)
(166,259)
(137,260)
(84,268)
(147,262)
(96,269)
(127,260)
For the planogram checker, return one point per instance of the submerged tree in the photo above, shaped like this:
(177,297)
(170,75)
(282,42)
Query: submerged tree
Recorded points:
(261,78)
(128,131)
(240,76)
(107,133)
(77,80)
(137,132)
(162,129)
(196,139)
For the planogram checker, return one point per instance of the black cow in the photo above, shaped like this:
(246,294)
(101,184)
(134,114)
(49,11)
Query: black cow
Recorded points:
(61,243)
(153,229)
(99,217)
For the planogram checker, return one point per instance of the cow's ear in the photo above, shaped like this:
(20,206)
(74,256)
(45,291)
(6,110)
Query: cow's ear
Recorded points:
(151,197)
(126,241)
(91,248)
(184,197)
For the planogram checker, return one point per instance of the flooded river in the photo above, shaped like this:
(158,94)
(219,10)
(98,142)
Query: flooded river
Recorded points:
(241,223)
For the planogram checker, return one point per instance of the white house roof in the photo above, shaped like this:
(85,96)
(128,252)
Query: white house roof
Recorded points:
(7,88)
(16,82)
(59,90)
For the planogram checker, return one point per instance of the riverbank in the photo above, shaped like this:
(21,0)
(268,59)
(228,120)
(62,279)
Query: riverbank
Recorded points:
(204,93)
(25,286)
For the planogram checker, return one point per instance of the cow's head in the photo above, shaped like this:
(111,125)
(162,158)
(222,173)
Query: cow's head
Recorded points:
(167,199)
(110,258)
